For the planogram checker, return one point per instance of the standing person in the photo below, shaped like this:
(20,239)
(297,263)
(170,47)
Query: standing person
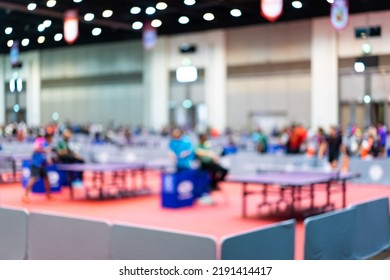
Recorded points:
(382,134)
(40,160)
(67,155)
(209,162)
(181,149)
(333,146)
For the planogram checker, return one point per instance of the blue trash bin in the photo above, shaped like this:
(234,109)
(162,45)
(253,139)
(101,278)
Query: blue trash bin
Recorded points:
(39,186)
(178,189)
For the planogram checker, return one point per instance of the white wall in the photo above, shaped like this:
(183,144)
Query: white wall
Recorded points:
(273,43)
(349,46)
(92,60)
(287,94)
(286,90)
(80,96)
(95,103)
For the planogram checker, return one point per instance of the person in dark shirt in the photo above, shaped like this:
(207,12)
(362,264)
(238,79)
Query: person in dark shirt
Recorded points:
(333,145)
(65,153)
(209,162)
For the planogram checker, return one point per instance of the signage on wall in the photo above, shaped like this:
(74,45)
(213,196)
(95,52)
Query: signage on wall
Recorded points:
(149,36)
(339,14)
(71,26)
(271,9)
(14,55)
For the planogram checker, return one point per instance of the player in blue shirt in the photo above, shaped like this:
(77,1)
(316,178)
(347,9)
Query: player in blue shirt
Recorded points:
(40,159)
(181,149)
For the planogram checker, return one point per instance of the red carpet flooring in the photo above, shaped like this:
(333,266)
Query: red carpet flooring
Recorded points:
(223,218)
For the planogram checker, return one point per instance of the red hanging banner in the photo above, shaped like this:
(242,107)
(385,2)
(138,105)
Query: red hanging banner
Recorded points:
(149,36)
(339,14)
(71,26)
(271,9)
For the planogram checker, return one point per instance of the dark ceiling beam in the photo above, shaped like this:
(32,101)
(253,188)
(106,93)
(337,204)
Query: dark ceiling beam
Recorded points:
(53,14)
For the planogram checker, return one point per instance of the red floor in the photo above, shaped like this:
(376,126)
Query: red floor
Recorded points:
(223,218)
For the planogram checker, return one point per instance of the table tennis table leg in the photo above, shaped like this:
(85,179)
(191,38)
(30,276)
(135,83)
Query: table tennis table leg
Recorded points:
(292,211)
(311,196)
(328,192)
(244,194)
(344,190)
(143,178)
(14,169)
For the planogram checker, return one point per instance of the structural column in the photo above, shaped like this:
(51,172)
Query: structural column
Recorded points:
(156,85)
(31,63)
(216,80)
(324,74)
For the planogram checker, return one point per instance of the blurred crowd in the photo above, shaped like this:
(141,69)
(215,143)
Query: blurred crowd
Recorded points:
(353,141)
(369,142)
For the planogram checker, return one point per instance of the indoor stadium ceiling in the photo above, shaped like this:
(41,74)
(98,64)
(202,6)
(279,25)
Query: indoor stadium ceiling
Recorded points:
(24,19)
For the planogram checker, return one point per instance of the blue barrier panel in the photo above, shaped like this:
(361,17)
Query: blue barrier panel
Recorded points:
(141,243)
(275,242)
(329,236)
(13,234)
(372,228)
(39,186)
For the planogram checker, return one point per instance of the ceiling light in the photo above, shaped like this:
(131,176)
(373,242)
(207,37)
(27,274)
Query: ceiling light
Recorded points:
(135,10)
(8,30)
(330,1)
(366,48)
(359,67)
(235,13)
(150,11)
(297,4)
(161,6)
(41,27)
(10,43)
(156,23)
(137,25)
(47,23)
(96,31)
(41,39)
(25,42)
(189,2)
(51,3)
(184,20)
(367,99)
(89,17)
(31,6)
(77,1)
(208,16)
(58,37)
(107,13)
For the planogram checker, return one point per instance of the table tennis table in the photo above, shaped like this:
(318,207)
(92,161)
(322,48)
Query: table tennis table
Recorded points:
(10,163)
(119,172)
(293,187)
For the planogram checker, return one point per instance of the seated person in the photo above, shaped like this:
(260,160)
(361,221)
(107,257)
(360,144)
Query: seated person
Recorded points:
(181,150)
(209,162)
(40,160)
(67,155)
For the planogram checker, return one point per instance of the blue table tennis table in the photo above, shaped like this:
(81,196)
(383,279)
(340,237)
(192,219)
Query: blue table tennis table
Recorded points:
(292,187)
(119,172)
